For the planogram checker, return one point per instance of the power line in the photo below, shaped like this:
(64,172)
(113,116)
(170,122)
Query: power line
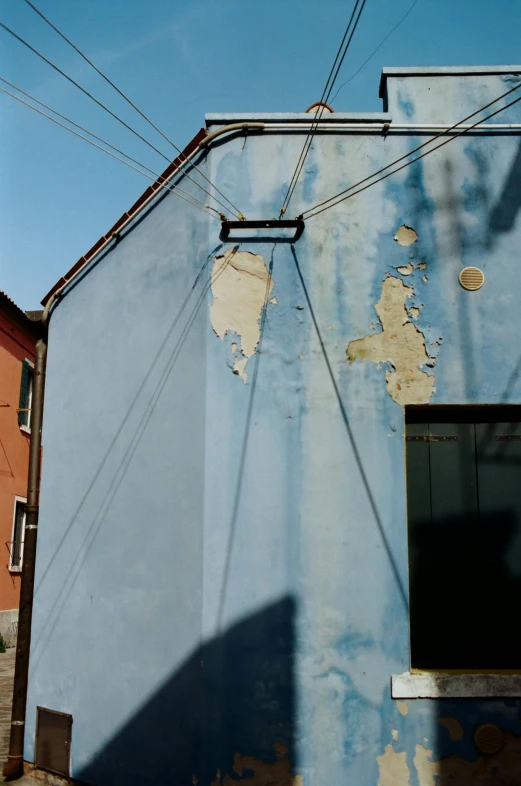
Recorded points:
(99,103)
(100,139)
(205,208)
(333,74)
(382,42)
(314,212)
(411,152)
(126,98)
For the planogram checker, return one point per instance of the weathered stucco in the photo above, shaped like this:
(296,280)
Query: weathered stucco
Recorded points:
(399,343)
(503,768)
(222,567)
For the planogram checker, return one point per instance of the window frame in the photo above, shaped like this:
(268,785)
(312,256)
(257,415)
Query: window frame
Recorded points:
(458,683)
(29,413)
(17,568)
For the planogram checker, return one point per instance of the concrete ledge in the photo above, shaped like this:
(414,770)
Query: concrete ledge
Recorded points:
(428,685)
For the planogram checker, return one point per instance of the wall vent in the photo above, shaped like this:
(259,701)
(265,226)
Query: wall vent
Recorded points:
(471,278)
(489,739)
(53,741)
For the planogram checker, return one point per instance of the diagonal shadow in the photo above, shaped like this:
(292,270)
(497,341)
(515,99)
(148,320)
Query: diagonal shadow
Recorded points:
(350,435)
(228,708)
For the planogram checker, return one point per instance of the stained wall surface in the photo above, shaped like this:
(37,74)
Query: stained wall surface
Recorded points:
(222,582)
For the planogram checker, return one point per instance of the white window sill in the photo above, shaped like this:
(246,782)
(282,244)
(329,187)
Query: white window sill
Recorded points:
(431,685)
(14,570)
(26,429)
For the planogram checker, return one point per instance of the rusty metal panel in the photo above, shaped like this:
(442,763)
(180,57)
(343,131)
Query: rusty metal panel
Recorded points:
(53,741)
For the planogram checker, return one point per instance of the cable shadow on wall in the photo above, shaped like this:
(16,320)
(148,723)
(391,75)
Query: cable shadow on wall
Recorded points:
(94,527)
(354,447)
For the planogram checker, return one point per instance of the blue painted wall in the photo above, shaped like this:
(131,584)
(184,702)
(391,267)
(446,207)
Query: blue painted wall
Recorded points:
(222,567)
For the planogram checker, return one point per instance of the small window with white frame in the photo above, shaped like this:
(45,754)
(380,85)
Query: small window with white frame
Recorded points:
(26,395)
(16,549)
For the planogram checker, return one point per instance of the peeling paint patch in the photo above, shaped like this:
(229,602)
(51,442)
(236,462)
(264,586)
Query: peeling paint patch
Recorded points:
(403,708)
(405,270)
(394,770)
(424,279)
(454,728)
(425,768)
(265,773)
(422,265)
(241,285)
(394,734)
(399,343)
(274,301)
(414,312)
(503,768)
(406,236)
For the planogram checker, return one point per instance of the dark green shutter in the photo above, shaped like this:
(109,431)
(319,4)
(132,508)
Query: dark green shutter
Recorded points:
(23,417)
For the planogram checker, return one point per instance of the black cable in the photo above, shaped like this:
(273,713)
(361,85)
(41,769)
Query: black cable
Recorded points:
(325,98)
(450,139)
(322,100)
(100,139)
(411,152)
(126,98)
(174,190)
(382,42)
(136,133)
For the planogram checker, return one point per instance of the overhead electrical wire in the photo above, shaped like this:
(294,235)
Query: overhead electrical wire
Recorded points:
(382,42)
(188,198)
(330,82)
(99,138)
(116,117)
(125,97)
(334,200)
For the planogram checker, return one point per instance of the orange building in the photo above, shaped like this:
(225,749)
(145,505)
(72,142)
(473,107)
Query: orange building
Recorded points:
(18,334)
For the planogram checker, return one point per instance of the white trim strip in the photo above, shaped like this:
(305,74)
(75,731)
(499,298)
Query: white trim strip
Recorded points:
(428,685)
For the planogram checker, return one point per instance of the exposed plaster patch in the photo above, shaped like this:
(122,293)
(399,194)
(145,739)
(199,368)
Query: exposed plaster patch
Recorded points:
(393,767)
(422,265)
(425,768)
(403,709)
(454,728)
(424,279)
(414,312)
(406,236)
(394,734)
(265,773)
(274,301)
(405,270)
(399,343)
(241,285)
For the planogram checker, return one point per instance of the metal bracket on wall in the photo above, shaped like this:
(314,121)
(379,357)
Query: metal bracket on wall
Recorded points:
(297,224)
(432,438)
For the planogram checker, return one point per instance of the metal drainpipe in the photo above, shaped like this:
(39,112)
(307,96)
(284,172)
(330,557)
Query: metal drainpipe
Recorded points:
(13,767)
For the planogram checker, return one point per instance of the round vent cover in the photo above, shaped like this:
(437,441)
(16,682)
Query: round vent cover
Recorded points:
(471,278)
(489,739)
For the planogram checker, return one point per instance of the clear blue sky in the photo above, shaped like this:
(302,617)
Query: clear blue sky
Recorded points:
(178,60)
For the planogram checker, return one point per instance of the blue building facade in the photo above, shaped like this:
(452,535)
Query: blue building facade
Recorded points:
(222,586)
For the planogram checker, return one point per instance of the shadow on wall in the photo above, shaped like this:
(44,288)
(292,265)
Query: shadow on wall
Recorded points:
(226,715)
(504,213)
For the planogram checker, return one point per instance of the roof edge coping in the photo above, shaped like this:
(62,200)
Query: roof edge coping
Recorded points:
(445,71)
